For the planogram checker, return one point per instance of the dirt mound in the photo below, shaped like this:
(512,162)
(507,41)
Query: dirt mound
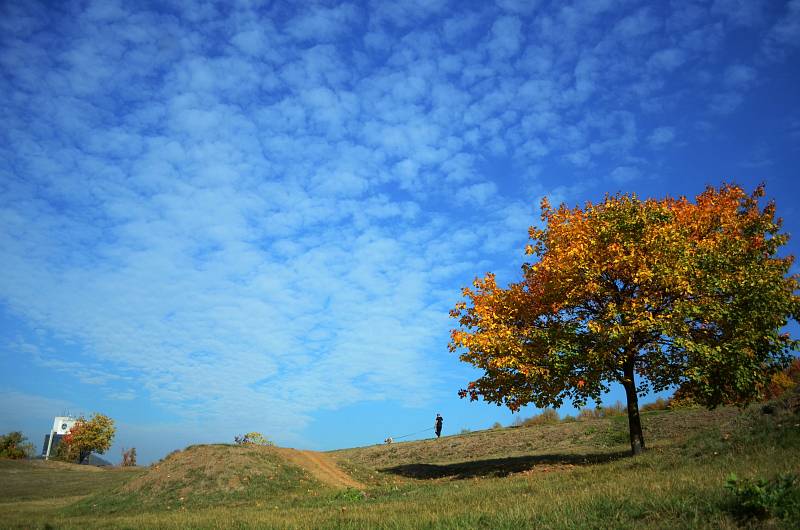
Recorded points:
(218,468)
(322,467)
(205,475)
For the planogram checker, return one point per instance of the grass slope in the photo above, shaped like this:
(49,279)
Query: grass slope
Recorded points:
(498,452)
(566,475)
(42,480)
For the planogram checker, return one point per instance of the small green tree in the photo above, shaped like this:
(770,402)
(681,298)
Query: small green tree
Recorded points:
(14,445)
(86,437)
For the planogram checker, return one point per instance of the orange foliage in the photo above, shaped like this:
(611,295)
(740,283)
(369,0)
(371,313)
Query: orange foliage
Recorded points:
(672,290)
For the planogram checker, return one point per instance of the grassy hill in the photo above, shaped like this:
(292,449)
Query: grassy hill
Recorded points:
(562,475)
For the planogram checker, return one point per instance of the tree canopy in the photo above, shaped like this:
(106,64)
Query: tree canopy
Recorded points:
(86,437)
(15,445)
(671,292)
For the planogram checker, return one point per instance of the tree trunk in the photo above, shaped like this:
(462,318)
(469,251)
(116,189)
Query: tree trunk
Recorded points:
(634,421)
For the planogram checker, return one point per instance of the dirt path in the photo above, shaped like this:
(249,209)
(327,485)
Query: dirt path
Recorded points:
(321,466)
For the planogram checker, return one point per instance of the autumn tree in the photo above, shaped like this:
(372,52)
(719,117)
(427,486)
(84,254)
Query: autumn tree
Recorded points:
(647,293)
(86,437)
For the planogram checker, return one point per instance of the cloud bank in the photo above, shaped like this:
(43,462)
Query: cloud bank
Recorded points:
(265,209)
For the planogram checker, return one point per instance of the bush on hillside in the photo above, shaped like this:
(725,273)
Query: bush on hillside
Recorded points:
(252,438)
(658,404)
(603,411)
(783,381)
(764,499)
(14,445)
(682,399)
(780,383)
(128,457)
(543,418)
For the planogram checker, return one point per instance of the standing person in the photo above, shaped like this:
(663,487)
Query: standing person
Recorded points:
(439,421)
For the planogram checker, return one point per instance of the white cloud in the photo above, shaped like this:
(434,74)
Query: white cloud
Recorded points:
(518,6)
(322,24)
(741,12)
(263,211)
(739,76)
(661,136)
(32,414)
(726,102)
(405,13)
(460,26)
(478,193)
(506,37)
(256,42)
(635,25)
(784,34)
(668,59)
(625,174)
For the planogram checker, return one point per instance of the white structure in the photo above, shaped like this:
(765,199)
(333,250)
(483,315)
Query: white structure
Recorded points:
(61,426)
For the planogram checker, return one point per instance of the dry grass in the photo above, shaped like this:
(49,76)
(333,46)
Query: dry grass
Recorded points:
(589,437)
(22,480)
(207,475)
(565,475)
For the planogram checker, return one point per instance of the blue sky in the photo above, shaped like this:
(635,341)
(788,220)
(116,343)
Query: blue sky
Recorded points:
(225,217)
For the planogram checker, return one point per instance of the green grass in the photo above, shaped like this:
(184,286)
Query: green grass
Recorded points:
(565,475)
(40,480)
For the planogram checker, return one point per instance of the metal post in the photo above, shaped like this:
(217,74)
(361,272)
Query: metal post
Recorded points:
(49,445)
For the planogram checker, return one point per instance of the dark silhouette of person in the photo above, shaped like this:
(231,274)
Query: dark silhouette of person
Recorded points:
(439,421)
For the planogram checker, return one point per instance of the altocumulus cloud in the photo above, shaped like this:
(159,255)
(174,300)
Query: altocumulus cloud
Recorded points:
(267,208)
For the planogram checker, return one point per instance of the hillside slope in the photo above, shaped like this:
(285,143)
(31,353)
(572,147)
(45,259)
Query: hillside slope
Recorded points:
(563,475)
(507,450)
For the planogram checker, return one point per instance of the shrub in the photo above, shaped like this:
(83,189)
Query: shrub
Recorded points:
(617,409)
(465,431)
(543,418)
(658,404)
(589,414)
(14,445)
(762,499)
(66,452)
(252,438)
(780,383)
(682,399)
(128,457)
(783,381)
(497,425)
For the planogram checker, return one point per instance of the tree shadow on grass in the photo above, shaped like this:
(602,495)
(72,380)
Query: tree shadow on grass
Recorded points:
(500,467)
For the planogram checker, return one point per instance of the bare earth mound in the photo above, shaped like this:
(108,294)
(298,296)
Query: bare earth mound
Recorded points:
(205,475)
(321,467)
